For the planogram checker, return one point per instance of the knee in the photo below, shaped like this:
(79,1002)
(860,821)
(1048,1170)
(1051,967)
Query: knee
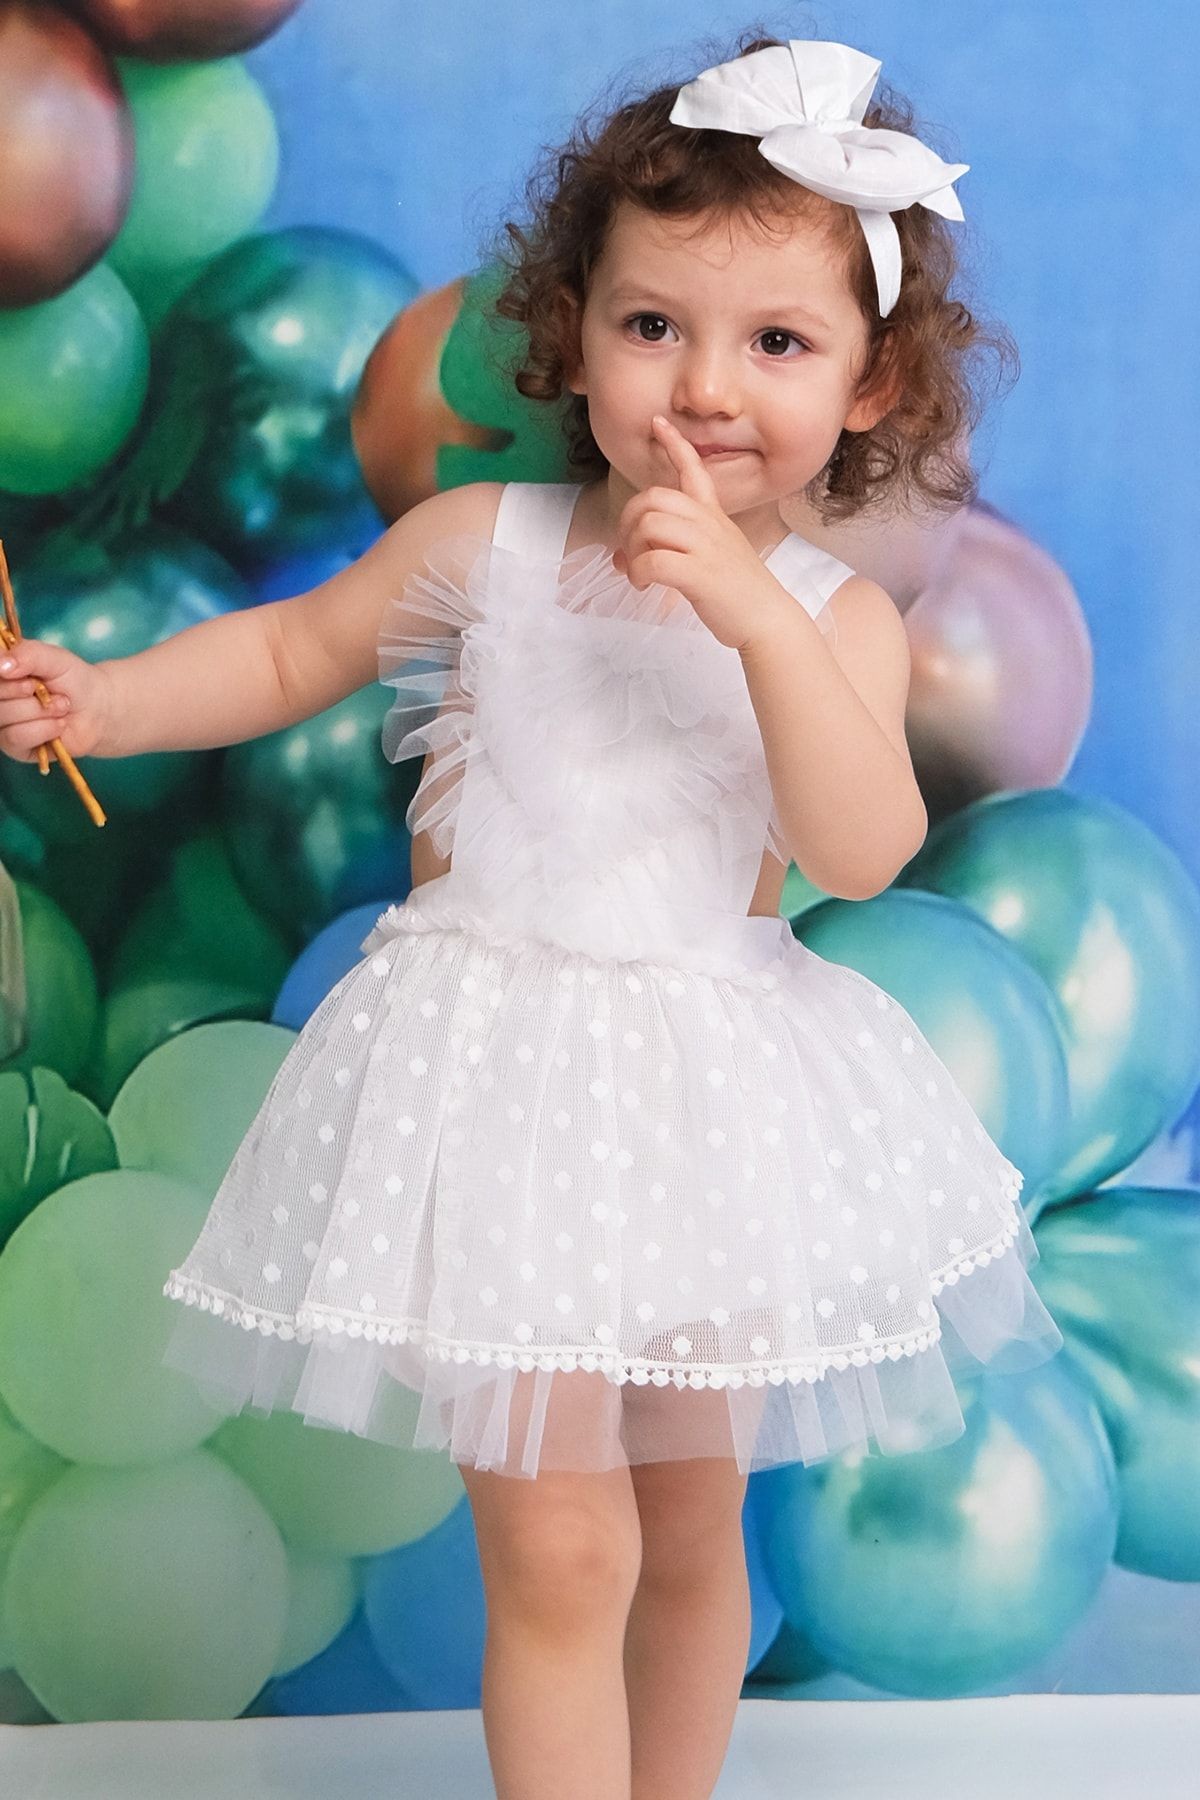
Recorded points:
(568,1566)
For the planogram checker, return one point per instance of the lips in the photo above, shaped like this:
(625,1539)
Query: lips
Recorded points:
(718,449)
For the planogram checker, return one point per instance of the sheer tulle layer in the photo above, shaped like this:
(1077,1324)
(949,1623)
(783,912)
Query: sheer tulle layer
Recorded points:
(586,1212)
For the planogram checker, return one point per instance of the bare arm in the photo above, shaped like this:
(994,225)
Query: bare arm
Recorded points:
(248,673)
(833,731)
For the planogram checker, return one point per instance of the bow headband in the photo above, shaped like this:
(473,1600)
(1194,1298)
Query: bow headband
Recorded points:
(805,101)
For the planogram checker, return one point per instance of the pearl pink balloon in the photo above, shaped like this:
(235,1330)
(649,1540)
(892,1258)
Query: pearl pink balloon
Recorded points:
(166,31)
(1001,667)
(66,152)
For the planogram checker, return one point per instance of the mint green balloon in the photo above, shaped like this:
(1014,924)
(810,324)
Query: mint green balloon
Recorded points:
(187,1106)
(988,1014)
(335,1492)
(73,374)
(1121,1273)
(27,1469)
(62,995)
(1110,918)
(141,1016)
(207,165)
(156,1592)
(323,1593)
(84,1321)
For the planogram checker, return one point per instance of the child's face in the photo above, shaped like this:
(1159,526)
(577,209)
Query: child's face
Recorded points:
(737,338)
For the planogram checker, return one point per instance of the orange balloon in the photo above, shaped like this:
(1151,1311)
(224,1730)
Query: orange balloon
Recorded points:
(400,416)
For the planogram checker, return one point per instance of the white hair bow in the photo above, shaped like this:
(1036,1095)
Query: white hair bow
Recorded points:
(805,101)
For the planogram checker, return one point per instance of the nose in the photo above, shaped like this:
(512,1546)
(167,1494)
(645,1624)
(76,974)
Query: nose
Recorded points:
(706,384)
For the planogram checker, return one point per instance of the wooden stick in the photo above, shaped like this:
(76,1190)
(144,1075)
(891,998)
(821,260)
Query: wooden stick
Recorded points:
(11,633)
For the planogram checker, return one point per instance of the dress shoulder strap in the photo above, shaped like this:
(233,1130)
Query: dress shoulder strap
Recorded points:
(535,516)
(808,573)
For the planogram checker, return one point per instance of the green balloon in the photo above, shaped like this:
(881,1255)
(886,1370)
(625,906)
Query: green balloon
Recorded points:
(313,817)
(1110,918)
(334,1492)
(62,997)
(73,375)
(323,1593)
(158,1592)
(49,1135)
(111,601)
(188,1105)
(84,1322)
(27,1469)
(149,1013)
(207,164)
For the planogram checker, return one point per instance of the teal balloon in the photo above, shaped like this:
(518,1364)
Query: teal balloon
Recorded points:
(1110,918)
(1121,1273)
(187,1106)
(106,602)
(246,434)
(314,818)
(73,375)
(153,1592)
(986,1012)
(84,1321)
(207,163)
(62,992)
(942,1572)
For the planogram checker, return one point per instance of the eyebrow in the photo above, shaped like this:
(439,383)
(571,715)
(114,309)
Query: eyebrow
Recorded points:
(789,309)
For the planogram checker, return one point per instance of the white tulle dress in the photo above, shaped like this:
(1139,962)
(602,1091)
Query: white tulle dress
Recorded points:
(599,1168)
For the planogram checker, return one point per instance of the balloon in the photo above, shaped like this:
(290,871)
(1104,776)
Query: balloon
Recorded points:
(1110,918)
(187,1106)
(105,603)
(322,963)
(13,999)
(437,404)
(83,1319)
(323,1593)
(61,985)
(66,152)
(335,1492)
(163,29)
(73,373)
(1122,1273)
(1001,668)
(157,1592)
(208,160)
(49,1135)
(348,1677)
(425,1608)
(987,1014)
(27,1469)
(246,437)
(766,1614)
(941,1572)
(314,817)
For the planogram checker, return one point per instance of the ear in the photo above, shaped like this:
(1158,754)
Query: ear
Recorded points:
(878,399)
(571,314)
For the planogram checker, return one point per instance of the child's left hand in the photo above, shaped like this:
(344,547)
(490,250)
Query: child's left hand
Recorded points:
(684,538)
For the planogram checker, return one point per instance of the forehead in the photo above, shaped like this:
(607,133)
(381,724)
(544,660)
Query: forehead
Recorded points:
(719,257)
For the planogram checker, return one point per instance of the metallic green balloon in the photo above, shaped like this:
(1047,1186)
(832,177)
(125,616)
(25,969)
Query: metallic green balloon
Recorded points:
(104,602)
(62,991)
(49,1135)
(1109,916)
(207,164)
(1121,1273)
(314,816)
(73,374)
(941,1572)
(986,1012)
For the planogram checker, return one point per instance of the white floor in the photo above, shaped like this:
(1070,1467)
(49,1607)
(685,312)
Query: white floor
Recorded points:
(1041,1746)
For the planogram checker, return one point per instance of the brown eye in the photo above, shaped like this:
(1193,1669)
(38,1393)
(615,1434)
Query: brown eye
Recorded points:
(636,320)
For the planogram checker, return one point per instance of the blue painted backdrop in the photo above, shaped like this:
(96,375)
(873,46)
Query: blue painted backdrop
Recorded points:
(416,124)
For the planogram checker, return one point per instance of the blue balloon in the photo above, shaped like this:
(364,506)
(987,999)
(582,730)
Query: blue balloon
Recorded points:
(323,962)
(424,1605)
(766,1613)
(347,1677)
(942,1572)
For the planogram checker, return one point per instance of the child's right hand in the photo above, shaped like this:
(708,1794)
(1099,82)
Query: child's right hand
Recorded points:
(80,699)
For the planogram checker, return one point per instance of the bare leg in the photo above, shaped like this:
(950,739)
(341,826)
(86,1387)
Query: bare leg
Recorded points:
(559,1556)
(688,1635)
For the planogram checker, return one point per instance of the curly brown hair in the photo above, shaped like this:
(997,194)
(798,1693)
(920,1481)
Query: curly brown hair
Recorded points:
(928,350)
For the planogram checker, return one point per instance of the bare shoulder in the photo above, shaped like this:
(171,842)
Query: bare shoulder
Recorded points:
(871,648)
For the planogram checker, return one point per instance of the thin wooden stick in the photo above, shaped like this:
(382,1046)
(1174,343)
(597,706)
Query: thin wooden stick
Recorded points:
(11,633)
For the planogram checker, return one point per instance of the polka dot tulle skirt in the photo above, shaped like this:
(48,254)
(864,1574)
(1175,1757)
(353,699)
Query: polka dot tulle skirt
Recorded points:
(538,1209)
